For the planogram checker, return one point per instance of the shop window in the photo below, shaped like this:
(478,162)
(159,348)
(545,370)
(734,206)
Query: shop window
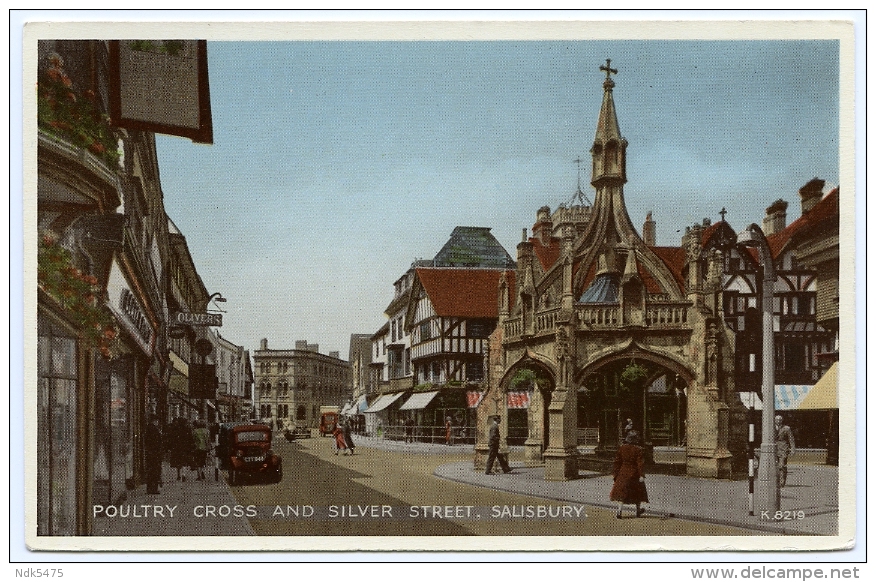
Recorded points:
(56,432)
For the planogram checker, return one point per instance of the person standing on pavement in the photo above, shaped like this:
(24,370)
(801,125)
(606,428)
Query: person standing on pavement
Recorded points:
(181,446)
(629,475)
(348,436)
(784,448)
(448,431)
(494,447)
(201,438)
(154,454)
(340,442)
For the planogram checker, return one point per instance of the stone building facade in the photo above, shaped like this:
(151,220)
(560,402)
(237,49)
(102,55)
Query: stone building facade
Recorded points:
(290,385)
(601,327)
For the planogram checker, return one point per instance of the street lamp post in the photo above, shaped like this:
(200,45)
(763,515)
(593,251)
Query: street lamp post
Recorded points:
(767,492)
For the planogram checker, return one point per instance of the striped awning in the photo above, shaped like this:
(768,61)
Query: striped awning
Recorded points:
(361,405)
(788,397)
(418,400)
(473,398)
(518,400)
(383,402)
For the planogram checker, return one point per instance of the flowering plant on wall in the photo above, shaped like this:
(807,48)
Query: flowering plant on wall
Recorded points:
(77,293)
(75,117)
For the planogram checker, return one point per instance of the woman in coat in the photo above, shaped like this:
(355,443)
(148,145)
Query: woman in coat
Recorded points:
(348,436)
(340,442)
(629,475)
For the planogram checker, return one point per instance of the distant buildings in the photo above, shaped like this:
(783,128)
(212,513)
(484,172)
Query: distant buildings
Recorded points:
(428,360)
(292,384)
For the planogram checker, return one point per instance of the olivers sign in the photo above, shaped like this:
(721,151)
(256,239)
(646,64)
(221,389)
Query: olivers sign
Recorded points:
(212,319)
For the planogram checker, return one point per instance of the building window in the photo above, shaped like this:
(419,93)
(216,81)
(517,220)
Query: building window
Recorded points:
(478,329)
(425,331)
(474,371)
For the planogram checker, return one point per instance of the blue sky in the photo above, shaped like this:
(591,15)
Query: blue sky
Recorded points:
(336,164)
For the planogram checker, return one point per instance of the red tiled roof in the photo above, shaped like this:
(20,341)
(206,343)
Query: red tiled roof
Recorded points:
(825,209)
(673,258)
(547,255)
(464,292)
(709,232)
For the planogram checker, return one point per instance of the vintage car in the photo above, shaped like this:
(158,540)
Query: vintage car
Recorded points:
(327,423)
(244,450)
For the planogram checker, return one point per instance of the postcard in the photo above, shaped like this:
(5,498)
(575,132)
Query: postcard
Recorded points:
(439,286)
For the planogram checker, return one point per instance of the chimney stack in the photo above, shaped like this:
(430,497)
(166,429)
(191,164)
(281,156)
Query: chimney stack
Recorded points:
(775,218)
(264,343)
(543,225)
(810,194)
(649,231)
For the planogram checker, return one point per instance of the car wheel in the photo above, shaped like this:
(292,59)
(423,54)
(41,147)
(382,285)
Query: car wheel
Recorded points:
(278,474)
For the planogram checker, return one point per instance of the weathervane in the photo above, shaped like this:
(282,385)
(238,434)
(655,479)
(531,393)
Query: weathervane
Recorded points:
(579,195)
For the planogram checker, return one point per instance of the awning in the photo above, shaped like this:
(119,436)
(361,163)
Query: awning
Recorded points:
(383,402)
(361,404)
(419,400)
(823,395)
(788,397)
(473,398)
(518,399)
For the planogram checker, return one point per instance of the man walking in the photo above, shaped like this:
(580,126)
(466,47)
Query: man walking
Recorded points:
(784,449)
(494,447)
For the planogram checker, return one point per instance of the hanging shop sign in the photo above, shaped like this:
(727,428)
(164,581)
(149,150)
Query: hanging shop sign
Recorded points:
(161,86)
(202,381)
(186,318)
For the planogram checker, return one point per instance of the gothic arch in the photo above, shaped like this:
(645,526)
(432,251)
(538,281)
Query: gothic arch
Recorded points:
(634,350)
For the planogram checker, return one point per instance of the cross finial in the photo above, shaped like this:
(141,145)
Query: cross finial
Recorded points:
(722,213)
(607,68)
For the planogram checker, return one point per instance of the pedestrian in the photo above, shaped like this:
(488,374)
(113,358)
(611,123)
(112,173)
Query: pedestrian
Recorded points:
(181,446)
(154,453)
(628,427)
(201,440)
(409,430)
(348,436)
(494,447)
(629,475)
(784,448)
(340,442)
(448,432)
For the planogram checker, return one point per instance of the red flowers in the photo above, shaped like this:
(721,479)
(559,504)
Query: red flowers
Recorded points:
(78,293)
(61,112)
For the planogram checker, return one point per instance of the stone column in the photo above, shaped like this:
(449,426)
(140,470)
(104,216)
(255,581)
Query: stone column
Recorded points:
(561,456)
(534,445)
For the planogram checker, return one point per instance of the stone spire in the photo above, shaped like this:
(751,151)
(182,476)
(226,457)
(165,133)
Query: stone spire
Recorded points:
(609,147)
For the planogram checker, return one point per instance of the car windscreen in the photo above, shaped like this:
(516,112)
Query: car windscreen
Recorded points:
(251,435)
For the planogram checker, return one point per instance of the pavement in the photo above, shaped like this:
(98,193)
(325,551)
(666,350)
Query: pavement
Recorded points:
(187,508)
(809,500)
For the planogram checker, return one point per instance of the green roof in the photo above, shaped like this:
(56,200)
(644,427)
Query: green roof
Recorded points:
(473,246)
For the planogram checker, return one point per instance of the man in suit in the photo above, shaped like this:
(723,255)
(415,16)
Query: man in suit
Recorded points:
(784,449)
(494,447)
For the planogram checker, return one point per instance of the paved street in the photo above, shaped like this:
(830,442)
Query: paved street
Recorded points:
(393,488)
